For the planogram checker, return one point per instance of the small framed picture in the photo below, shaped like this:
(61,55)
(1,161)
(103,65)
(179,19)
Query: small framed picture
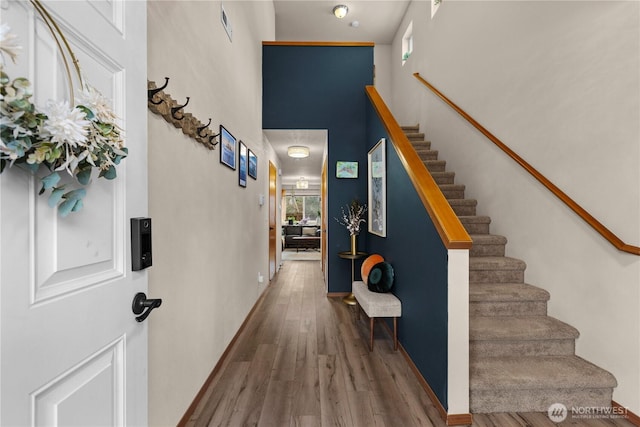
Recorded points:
(227,148)
(242,169)
(253,165)
(346,169)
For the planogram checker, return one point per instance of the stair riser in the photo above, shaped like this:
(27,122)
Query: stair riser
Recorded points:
(539,400)
(427,155)
(464,210)
(521,348)
(487,250)
(453,194)
(476,228)
(421,145)
(496,308)
(435,165)
(496,276)
(446,178)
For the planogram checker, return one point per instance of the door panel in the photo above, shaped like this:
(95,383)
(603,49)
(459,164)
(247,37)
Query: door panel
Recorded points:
(71,352)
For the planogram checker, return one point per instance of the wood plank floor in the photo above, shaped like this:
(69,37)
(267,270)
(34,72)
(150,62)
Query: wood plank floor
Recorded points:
(303,360)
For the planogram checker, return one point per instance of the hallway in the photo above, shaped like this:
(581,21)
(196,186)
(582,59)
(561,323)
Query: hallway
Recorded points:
(302,360)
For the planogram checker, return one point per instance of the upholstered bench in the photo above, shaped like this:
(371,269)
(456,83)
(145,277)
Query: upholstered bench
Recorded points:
(376,304)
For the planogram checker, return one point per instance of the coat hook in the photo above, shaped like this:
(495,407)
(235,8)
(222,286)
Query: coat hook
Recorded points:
(200,129)
(175,109)
(211,138)
(152,92)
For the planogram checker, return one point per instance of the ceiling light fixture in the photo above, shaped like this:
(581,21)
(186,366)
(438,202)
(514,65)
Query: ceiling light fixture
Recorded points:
(340,11)
(298,151)
(302,184)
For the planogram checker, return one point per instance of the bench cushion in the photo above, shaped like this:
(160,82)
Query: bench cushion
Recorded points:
(376,304)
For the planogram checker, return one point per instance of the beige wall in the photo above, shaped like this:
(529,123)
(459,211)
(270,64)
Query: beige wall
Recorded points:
(559,83)
(208,244)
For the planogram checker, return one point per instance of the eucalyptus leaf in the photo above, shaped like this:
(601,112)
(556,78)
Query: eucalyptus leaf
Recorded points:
(66,207)
(109,173)
(78,206)
(56,196)
(50,181)
(84,176)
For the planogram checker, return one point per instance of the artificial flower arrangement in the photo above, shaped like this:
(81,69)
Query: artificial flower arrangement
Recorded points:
(354,218)
(57,137)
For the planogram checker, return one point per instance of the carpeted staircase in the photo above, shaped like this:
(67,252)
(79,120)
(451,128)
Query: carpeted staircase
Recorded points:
(521,360)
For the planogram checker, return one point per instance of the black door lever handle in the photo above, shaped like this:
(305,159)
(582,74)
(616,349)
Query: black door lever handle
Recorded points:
(140,302)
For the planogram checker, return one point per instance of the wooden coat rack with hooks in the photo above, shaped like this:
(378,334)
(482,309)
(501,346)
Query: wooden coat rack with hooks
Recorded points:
(161,103)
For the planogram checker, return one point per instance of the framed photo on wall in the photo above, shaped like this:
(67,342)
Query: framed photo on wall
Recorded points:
(253,165)
(377,186)
(227,148)
(242,169)
(346,169)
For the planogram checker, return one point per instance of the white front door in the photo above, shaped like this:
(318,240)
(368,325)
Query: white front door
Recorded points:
(71,351)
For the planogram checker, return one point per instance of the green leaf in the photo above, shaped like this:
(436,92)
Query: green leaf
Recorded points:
(72,203)
(56,196)
(84,176)
(78,206)
(50,181)
(87,112)
(66,207)
(109,173)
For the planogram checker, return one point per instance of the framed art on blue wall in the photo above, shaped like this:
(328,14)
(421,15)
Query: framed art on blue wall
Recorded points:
(346,169)
(253,165)
(377,184)
(227,148)
(242,169)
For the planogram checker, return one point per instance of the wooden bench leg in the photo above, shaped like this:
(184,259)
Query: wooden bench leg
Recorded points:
(371,320)
(395,333)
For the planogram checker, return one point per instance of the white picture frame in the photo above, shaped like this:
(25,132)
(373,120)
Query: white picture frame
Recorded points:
(377,189)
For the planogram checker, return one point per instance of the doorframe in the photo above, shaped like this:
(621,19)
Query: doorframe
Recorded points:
(273,219)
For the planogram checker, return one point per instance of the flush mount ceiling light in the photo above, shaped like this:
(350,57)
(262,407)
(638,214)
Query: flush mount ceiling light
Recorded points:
(298,151)
(340,11)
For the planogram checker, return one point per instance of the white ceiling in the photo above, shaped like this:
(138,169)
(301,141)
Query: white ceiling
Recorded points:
(311,20)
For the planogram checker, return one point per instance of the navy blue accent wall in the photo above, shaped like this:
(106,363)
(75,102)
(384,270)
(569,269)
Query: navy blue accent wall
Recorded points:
(419,259)
(323,87)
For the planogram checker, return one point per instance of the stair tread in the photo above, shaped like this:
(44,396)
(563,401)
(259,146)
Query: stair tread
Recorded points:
(537,372)
(496,263)
(463,202)
(510,328)
(506,292)
(452,186)
(488,239)
(475,219)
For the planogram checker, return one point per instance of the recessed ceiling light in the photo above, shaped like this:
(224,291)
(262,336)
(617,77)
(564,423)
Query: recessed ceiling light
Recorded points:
(340,11)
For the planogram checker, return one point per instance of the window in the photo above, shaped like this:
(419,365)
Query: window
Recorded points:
(407,43)
(302,208)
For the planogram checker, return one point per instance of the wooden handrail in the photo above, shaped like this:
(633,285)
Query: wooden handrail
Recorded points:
(449,227)
(582,213)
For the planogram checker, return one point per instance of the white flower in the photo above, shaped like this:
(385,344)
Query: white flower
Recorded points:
(91,98)
(64,125)
(8,43)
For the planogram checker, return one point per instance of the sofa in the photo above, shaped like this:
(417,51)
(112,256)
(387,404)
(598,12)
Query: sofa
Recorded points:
(301,237)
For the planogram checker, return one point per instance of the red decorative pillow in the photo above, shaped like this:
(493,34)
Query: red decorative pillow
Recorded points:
(368,264)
